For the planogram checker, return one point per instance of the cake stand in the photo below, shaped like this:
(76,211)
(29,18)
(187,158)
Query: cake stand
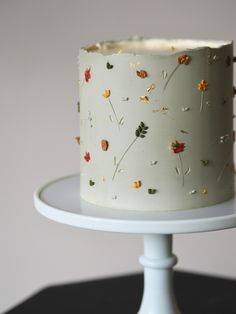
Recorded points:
(59,200)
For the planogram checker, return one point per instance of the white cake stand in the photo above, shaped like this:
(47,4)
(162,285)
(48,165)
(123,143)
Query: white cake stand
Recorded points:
(60,201)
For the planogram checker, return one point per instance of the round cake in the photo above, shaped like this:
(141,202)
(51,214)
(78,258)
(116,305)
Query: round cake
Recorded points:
(156,123)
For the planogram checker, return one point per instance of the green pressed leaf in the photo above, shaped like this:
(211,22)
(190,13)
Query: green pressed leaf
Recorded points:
(152,191)
(109,66)
(137,133)
(91,183)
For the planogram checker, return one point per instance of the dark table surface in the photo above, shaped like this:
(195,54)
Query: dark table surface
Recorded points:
(196,294)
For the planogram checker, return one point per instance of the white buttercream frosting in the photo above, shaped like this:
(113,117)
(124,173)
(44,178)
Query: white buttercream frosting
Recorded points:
(138,45)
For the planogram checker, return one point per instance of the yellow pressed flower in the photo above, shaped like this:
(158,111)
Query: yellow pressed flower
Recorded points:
(106,93)
(137,184)
(144,98)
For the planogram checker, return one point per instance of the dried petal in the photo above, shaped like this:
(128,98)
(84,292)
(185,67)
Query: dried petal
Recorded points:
(142,74)
(177,147)
(87,156)
(144,98)
(104,145)
(87,74)
(184,59)
(106,93)
(203,86)
(151,88)
(137,184)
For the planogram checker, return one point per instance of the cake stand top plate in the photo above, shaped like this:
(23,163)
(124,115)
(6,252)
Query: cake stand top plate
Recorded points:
(60,201)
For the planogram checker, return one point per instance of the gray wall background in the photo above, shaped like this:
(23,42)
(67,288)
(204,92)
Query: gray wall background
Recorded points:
(39,42)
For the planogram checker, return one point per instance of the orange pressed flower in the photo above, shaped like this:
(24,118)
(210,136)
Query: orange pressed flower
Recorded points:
(202,86)
(184,59)
(104,145)
(137,184)
(142,74)
(106,93)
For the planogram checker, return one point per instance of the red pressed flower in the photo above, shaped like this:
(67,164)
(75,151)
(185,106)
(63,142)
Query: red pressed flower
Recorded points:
(177,147)
(184,59)
(87,74)
(87,156)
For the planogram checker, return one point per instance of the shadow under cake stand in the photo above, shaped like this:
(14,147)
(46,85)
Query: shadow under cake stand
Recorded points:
(60,201)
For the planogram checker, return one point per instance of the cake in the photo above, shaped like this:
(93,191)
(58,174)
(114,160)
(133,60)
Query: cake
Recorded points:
(156,123)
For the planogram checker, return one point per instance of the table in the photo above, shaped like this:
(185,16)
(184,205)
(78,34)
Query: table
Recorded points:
(196,294)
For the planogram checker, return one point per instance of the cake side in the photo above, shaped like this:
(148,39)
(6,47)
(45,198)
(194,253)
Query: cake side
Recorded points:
(157,130)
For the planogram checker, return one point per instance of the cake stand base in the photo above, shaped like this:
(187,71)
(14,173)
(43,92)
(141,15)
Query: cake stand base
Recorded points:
(60,201)
(158,262)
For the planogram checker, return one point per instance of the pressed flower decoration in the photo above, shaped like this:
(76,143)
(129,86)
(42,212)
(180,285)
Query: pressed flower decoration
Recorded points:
(106,94)
(91,183)
(144,99)
(178,148)
(142,74)
(151,88)
(78,139)
(140,132)
(202,86)
(181,60)
(87,157)
(104,145)
(87,74)
(184,59)
(109,66)
(152,191)
(137,184)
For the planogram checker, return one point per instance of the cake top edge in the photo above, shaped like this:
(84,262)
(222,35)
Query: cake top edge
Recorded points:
(153,46)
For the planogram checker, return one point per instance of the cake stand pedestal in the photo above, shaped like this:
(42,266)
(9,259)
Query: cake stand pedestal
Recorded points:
(60,201)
